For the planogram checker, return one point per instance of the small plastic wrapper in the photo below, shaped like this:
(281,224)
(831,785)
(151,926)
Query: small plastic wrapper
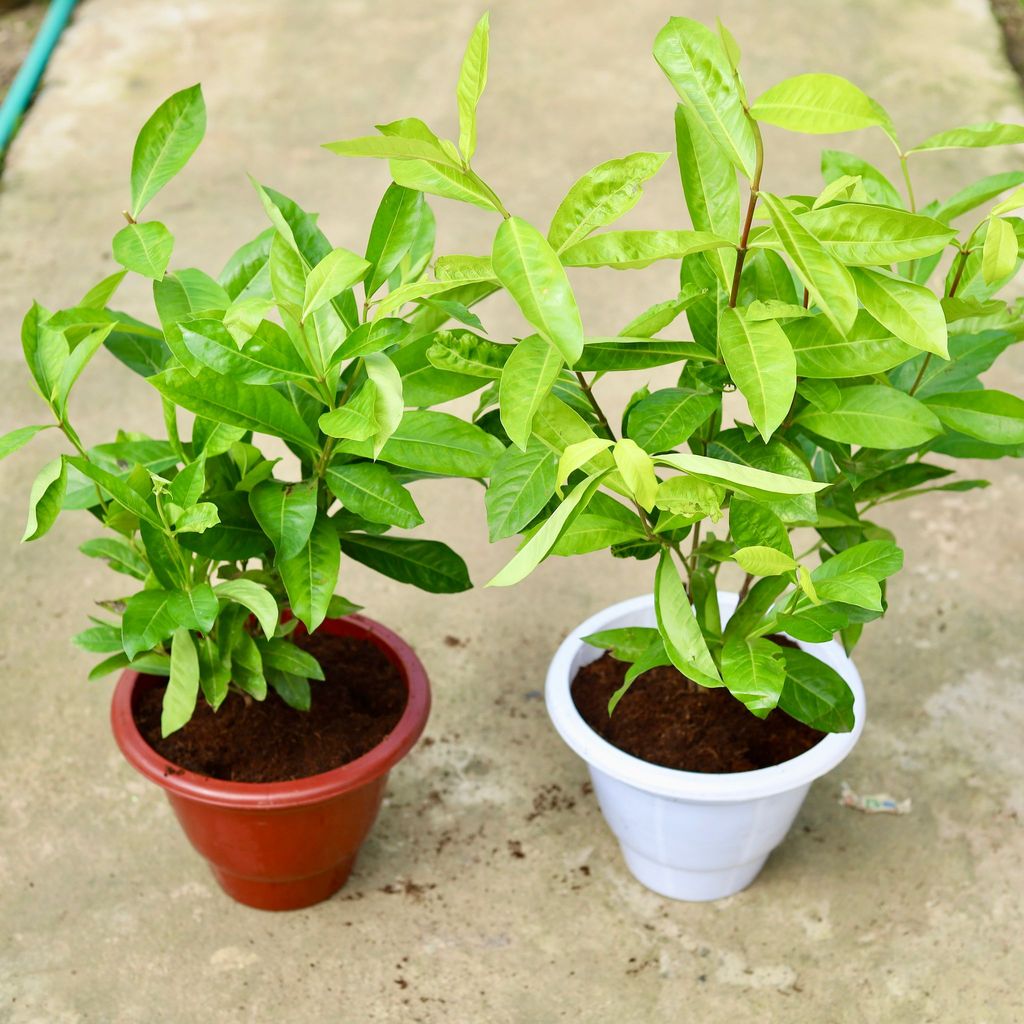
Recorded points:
(873,803)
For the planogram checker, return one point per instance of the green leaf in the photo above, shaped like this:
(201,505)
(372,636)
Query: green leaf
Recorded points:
(99,295)
(19,437)
(993,416)
(977,193)
(829,283)
(427,564)
(633,250)
(246,271)
(440,179)
(819,104)
(268,357)
(436,442)
(311,576)
(836,164)
(183,686)
(626,644)
(369,490)
(601,196)
(815,694)
(165,144)
(464,352)
(755,525)
(118,489)
(253,596)
(531,273)
(76,362)
(522,483)
(46,498)
(637,471)
(856,589)
(286,513)
(765,561)
(526,380)
(151,616)
(388,404)
(284,656)
(293,690)
(823,353)
(392,234)
(102,638)
(975,136)
(660,315)
(425,148)
(472,80)
(336,272)
(739,476)
(874,416)
(225,400)
(120,556)
(144,248)
(579,454)
(539,546)
(667,418)
(912,312)
(679,628)
(697,64)
(357,418)
(760,361)
(754,673)
(861,234)
(602,354)
(999,254)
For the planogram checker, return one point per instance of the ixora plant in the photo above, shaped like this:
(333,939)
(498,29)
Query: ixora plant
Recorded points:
(855,327)
(226,555)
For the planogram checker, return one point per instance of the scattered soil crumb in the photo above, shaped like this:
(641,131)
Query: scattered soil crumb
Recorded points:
(515,847)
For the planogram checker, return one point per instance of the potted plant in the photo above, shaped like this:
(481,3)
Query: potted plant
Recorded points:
(853,325)
(268,711)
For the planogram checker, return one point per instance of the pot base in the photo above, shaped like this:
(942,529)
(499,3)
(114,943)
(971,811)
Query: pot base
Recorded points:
(693,886)
(292,894)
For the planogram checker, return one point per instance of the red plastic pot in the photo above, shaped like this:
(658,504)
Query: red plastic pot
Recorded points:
(282,845)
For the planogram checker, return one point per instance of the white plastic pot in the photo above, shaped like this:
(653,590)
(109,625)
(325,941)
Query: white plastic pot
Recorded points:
(691,835)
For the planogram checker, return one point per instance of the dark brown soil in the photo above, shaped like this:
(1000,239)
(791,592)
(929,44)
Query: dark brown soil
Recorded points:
(358,703)
(666,719)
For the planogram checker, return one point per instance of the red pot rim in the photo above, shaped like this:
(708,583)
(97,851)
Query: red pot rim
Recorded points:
(311,789)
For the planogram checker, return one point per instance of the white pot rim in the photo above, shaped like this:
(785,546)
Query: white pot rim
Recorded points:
(671,782)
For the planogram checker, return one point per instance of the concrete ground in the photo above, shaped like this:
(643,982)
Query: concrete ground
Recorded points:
(490,890)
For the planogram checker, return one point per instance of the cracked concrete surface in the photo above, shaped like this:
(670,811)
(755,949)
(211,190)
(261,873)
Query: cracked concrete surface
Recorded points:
(490,889)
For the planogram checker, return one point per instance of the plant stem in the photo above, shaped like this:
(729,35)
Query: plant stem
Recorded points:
(598,411)
(906,177)
(691,564)
(755,185)
(747,580)
(171,423)
(957,277)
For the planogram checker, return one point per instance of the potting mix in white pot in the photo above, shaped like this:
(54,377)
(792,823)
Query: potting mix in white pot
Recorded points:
(855,327)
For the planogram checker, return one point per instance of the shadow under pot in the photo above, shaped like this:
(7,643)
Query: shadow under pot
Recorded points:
(282,845)
(691,835)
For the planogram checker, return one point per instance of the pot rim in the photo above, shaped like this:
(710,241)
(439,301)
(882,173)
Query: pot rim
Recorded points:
(296,792)
(697,787)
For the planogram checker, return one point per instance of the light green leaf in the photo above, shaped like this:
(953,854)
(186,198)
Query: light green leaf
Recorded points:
(472,79)
(46,499)
(868,348)
(144,248)
(836,164)
(820,104)
(253,596)
(755,525)
(737,475)
(369,490)
(531,273)
(76,362)
(522,483)
(632,250)
(539,546)
(120,556)
(579,454)
(974,136)
(440,179)
(829,283)
(165,144)
(311,576)
(99,295)
(637,470)
(993,416)
(464,352)
(764,561)
(660,315)
(617,353)
(427,564)
(857,589)
(286,513)
(526,380)
(388,402)
(760,361)
(267,357)
(398,148)
(151,616)
(19,437)
(601,196)
(912,312)
(626,644)
(336,272)
(679,628)
(667,418)
(357,418)
(697,64)
(977,193)
(815,694)
(688,497)
(225,400)
(876,559)
(183,686)
(874,416)
(999,254)
(754,672)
